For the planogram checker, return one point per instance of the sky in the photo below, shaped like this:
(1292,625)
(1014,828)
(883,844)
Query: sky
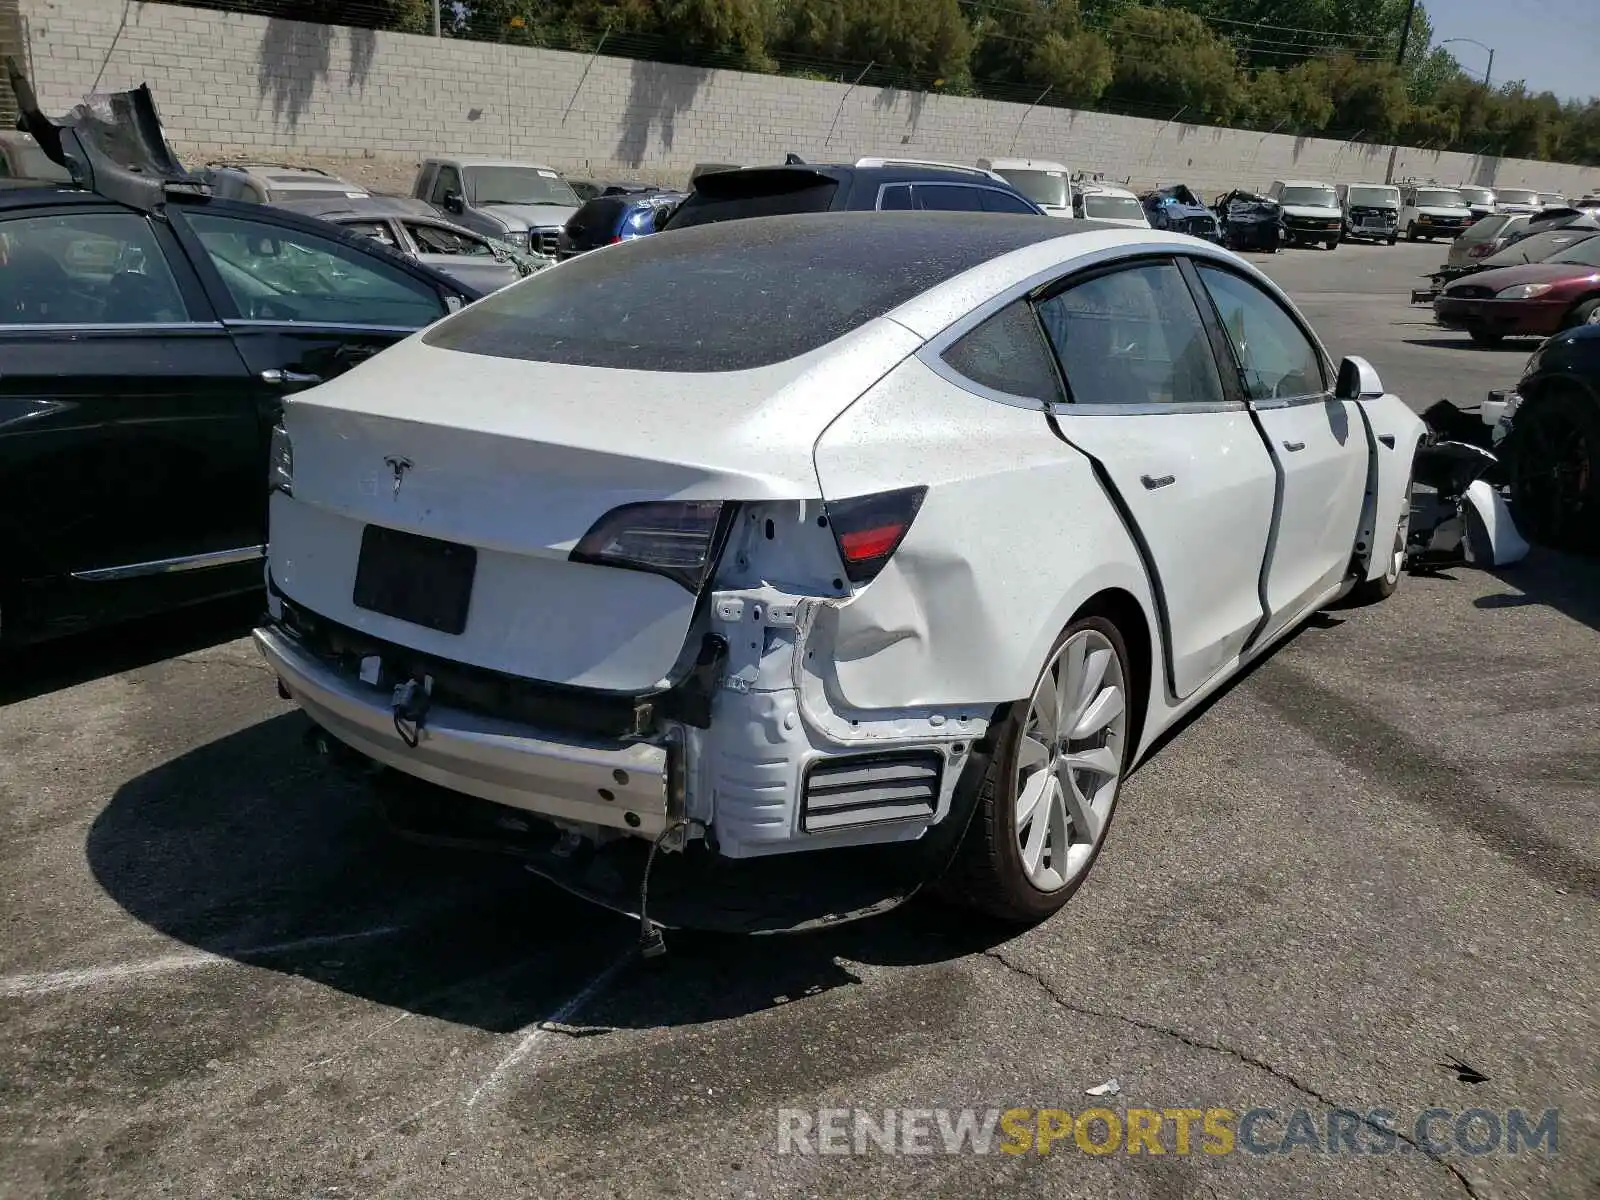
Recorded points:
(1552,44)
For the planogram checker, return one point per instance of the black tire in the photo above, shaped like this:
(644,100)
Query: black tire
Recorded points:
(1411,232)
(987,872)
(1333,245)
(1582,313)
(1393,240)
(1555,470)
(1485,337)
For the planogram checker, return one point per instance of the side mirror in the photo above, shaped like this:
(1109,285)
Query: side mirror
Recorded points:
(662,215)
(1357,380)
(453,202)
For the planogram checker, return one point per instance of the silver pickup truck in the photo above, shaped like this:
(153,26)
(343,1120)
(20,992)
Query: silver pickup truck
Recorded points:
(525,204)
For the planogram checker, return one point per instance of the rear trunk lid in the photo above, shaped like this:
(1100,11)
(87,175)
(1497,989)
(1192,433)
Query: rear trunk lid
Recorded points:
(518,460)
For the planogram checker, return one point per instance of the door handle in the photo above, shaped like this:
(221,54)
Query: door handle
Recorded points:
(280,378)
(1157,481)
(1291,447)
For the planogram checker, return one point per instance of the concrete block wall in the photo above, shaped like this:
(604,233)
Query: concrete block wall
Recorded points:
(229,84)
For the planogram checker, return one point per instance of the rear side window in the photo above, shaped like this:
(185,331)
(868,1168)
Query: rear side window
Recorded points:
(733,196)
(896,198)
(707,300)
(1133,336)
(949,197)
(996,201)
(1008,353)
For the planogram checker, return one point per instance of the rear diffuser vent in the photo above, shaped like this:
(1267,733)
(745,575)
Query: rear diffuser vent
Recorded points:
(868,789)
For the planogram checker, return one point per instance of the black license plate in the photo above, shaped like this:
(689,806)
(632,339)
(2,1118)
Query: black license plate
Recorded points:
(418,579)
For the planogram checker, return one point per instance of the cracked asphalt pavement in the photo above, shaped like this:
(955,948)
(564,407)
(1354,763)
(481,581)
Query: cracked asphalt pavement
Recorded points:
(1371,858)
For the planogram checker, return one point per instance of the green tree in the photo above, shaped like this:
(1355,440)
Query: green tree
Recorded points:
(1369,98)
(1042,42)
(1169,57)
(919,38)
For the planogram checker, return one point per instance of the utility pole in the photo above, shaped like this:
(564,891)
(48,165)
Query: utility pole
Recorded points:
(1405,34)
(438,28)
(1488,71)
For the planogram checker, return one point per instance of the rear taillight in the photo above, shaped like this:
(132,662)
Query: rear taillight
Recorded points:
(868,529)
(1480,250)
(678,539)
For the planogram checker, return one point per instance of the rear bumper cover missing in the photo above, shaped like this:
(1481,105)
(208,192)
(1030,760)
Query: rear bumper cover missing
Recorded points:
(625,786)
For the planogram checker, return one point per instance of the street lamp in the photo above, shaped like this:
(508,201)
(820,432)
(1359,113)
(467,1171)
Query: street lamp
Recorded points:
(1489,70)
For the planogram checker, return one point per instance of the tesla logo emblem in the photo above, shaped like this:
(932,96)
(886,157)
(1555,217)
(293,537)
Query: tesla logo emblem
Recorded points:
(399,466)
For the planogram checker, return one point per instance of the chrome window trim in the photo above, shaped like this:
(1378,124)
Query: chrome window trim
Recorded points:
(349,327)
(109,327)
(173,566)
(1145,408)
(1290,401)
(932,352)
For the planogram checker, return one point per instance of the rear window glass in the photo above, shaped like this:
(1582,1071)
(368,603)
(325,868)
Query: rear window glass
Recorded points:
(754,194)
(725,299)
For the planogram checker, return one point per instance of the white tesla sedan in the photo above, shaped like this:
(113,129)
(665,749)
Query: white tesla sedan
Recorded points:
(779,536)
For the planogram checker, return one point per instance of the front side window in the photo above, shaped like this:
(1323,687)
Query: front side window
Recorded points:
(445,183)
(1276,359)
(1132,336)
(436,239)
(1007,353)
(278,274)
(85,269)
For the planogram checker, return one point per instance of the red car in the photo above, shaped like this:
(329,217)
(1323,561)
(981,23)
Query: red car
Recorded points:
(1533,300)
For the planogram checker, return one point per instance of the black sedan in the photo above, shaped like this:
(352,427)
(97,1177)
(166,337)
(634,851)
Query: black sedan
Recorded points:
(146,346)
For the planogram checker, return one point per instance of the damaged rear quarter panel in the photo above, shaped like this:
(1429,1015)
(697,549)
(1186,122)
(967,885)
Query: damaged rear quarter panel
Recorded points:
(1389,490)
(1014,536)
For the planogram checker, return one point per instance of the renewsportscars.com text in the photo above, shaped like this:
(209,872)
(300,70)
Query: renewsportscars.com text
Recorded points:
(1213,1131)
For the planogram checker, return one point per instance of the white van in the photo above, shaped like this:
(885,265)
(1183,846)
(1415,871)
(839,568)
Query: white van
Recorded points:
(1047,184)
(1428,211)
(1371,210)
(1310,212)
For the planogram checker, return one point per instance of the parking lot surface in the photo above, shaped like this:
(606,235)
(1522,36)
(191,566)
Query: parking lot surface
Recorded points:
(1365,876)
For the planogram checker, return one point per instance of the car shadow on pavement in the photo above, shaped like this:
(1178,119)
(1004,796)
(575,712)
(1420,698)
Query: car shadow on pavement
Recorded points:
(1568,583)
(82,658)
(251,849)
(1510,345)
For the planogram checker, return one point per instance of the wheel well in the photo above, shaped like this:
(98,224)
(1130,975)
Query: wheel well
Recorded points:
(1123,611)
(1580,302)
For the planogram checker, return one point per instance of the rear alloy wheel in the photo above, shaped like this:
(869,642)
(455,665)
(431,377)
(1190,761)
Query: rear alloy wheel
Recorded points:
(1048,799)
(1555,471)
